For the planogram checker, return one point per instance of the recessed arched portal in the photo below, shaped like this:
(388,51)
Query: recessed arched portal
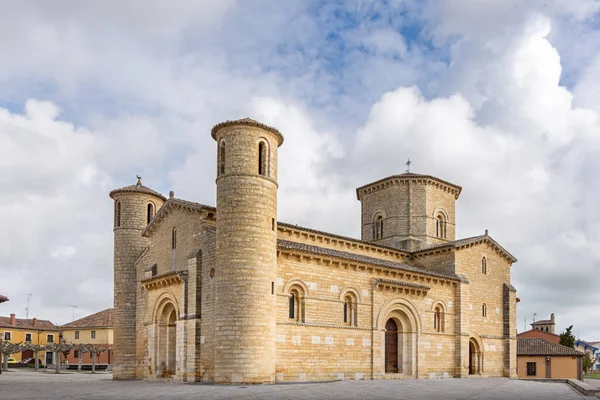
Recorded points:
(399,324)
(475,358)
(167,341)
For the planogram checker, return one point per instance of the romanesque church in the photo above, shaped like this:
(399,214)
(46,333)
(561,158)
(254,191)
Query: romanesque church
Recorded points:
(229,294)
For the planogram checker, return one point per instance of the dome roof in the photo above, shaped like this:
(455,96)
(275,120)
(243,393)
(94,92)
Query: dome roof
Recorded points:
(137,188)
(248,122)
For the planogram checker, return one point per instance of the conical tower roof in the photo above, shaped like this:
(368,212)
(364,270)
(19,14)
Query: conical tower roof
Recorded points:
(137,188)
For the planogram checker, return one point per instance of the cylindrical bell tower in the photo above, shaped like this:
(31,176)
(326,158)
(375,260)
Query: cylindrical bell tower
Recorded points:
(246,251)
(134,207)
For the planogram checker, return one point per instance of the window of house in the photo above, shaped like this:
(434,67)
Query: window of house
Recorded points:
(149,213)
(221,158)
(93,334)
(174,239)
(28,337)
(118,213)
(483,266)
(76,354)
(292,307)
(484,310)
(50,338)
(263,161)
(7,335)
(531,369)
(76,334)
(350,302)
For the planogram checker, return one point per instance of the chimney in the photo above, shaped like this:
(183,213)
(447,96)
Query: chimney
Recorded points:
(34,322)
(12,320)
(552,317)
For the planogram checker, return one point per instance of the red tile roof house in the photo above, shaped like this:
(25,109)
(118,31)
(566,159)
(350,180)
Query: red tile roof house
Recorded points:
(95,329)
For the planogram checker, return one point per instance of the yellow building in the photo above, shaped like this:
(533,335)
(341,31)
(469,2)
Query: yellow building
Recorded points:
(540,358)
(34,331)
(96,329)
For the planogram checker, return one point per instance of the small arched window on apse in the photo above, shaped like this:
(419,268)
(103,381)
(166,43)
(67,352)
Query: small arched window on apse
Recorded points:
(484,310)
(378,227)
(483,266)
(440,226)
(263,158)
(350,309)
(117,213)
(438,319)
(149,213)
(296,304)
(221,158)
(174,239)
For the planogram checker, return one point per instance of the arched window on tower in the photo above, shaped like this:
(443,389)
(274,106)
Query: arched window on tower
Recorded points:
(221,157)
(440,226)
(174,239)
(149,213)
(484,310)
(118,214)
(483,266)
(263,159)
(378,227)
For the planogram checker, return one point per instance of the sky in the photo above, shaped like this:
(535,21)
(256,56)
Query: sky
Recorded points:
(500,97)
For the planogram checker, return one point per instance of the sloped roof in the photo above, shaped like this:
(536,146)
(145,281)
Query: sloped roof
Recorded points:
(21,323)
(409,176)
(3,298)
(538,331)
(247,122)
(286,244)
(168,206)
(137,188)
(102,319)
(542,322)
(543,347)
(460,243)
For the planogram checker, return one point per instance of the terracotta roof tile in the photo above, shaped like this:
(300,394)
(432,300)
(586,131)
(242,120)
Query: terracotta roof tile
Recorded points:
(137,188)
(40,324)
(543,347)
(409,176)
(467,241)
(98,320)
(248,122)
(286,244)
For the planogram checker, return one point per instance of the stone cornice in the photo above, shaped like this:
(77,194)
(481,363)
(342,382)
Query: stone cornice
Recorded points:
(247,122)
(395,180)
(163,280)
(464,244)
(399,286)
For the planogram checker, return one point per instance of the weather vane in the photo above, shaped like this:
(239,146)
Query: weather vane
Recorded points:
(408,165)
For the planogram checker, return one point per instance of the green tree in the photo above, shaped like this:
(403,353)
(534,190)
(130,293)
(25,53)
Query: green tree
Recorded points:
(567,338)
(588,362)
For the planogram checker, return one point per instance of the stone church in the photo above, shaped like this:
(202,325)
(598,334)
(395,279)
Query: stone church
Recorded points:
(232,295)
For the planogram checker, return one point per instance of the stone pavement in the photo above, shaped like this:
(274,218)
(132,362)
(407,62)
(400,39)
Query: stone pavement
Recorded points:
(593,382)
(73,385)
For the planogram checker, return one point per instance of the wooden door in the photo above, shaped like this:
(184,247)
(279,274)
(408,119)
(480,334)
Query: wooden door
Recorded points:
(391,347)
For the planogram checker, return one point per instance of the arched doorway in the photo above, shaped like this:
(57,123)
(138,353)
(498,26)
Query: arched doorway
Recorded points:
(167,340)
(391,347)
(475,358)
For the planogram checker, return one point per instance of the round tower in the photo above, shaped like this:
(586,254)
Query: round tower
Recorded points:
(246,251)
(134,207)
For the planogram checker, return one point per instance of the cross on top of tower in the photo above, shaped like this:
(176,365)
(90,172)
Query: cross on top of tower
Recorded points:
(408,165)
(139,182)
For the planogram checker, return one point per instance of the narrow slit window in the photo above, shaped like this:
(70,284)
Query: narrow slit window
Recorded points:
(150,213)
(263,159)
(484,310)
(221,157)
(118,214)
(345,312)
(292,306)
(273,223)
(174,239)
(272,287)
(483,266)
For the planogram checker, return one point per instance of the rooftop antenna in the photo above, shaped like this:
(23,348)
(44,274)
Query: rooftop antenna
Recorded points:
(534,314)
(525,326)
(408,165)
(74,307)
(27,308)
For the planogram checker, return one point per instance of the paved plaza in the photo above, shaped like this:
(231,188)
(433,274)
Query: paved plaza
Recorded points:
(73,385)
